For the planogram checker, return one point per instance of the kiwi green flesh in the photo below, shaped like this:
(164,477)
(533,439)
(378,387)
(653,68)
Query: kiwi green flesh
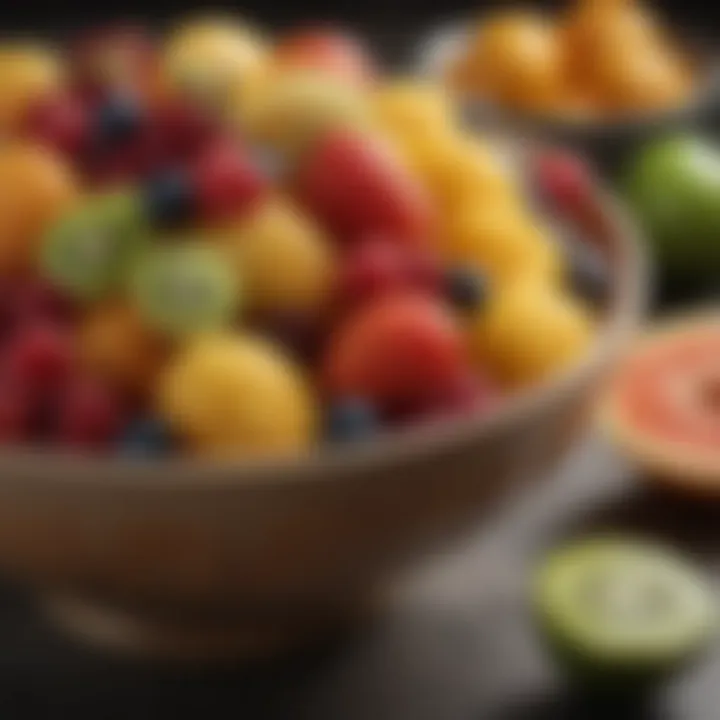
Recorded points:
(88,252)
(623,611)
(184,289)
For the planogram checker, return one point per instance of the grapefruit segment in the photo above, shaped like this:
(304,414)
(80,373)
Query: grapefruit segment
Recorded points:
(663,406)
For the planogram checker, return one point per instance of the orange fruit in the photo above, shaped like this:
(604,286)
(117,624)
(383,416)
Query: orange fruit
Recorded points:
(37,187)
(520,61)
(529,332)
(115,344)
(27,73)
(233,395)
(283,259)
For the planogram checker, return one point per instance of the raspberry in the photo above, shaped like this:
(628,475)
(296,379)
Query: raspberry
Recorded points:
(90,416)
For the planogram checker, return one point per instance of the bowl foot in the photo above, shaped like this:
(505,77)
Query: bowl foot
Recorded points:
(121,632)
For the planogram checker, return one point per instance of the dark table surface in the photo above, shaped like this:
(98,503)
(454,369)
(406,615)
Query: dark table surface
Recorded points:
(456,644)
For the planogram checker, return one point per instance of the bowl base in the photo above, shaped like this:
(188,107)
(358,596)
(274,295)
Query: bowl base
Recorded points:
(114,630)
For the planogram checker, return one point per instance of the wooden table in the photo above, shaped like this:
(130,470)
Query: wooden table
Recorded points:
(457,646)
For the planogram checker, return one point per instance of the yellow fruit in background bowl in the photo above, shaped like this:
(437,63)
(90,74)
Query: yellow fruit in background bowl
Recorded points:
(210,58)
(520,60)
(36,187)
(26,74)
(283,257)
(503,242)
(528,332)
(641,81)
(234,395)
(114,344)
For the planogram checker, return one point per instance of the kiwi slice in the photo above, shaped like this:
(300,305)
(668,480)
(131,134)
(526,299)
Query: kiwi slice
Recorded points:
(87,253)
(185,288)
(623,611)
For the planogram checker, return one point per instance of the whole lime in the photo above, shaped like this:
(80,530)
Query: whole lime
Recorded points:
(673,186)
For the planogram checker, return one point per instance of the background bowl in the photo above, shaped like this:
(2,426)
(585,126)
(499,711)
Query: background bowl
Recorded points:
(608,143)
(195,558)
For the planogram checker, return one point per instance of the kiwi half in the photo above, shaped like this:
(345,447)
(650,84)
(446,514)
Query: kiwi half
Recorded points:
(88,252)
(623,613)
(185,288)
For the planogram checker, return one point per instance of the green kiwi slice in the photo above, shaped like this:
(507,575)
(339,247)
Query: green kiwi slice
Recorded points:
(623,609)
(185,288)
(88,252)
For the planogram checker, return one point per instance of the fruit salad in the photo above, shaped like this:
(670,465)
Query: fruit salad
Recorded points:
(219,244)
(599,59)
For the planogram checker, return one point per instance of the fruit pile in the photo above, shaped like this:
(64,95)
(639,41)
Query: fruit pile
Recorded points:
(603,58)
(220,245)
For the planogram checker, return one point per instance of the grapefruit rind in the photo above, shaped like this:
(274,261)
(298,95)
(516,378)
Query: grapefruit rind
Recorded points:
(677,463)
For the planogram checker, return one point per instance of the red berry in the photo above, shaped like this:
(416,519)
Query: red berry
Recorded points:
(186,130)
(40,357)
(400,350)
(36,300)
(130,161)
(563,178)
(227,183)
(25,301)
(89,415)
(381,266)
(15,413)
(113,56)
(60,122)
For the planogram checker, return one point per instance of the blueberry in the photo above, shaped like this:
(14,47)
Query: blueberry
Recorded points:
(466,288)
(169,199)
(146,437)
(118,119)
(351,419)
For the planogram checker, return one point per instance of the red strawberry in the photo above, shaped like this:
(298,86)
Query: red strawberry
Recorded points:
(356,186)
(401,350)
(227,183)
(381,266)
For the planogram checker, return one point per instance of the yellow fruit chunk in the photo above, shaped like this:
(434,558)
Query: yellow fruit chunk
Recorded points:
(234,395)
(529,332)
(519,60)
(36,188)
(649,81)
(404,108)
(27,73)
(283,258)
(459,170)
(296,106)
(596,30)
(503,242)
(211,59)
(114,344)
